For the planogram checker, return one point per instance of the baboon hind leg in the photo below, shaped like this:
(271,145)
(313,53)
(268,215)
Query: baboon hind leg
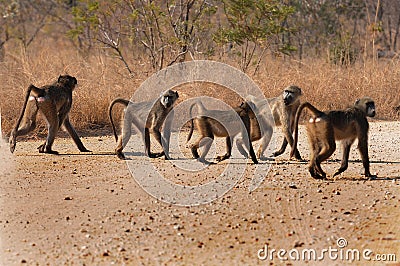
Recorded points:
(327,149)
(228,153)
(50,113)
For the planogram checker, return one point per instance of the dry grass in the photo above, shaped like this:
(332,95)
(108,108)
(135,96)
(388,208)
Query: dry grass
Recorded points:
(101,79)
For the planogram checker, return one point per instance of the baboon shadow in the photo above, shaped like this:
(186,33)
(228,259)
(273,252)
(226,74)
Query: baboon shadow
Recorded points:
(364,179)
(304,161)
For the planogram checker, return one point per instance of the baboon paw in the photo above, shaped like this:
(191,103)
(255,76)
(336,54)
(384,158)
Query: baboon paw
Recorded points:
(52,152)
(41,148)
(221,158)
(255,161)
(120,155)
(156,155)
(298,158)
(49,152)
(12,145)
(371,177)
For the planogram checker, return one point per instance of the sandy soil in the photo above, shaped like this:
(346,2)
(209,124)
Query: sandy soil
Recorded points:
(87,209)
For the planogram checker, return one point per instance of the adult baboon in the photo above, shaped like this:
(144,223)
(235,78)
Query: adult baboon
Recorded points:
(344,125)
(219,123)
(54,102)
(147,117)
(283,110)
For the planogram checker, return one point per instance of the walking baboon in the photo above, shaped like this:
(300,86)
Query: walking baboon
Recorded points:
(54,102)
(283,110)
(219,123)
(344,125)
(147,117)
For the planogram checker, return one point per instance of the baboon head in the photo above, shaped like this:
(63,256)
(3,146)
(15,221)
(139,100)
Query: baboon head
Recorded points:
(291,94)
(168,98)
(67,81)
(367,105)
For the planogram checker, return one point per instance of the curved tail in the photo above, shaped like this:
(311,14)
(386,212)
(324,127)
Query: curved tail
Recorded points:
(191,123)
(13,134)
(121,101)
(313,110)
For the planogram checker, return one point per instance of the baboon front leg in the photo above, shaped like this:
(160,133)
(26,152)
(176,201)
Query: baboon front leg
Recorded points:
(167,134)
(288,139)
(228,153)
(71,131)
(147,143)
(282,149)
(363,149)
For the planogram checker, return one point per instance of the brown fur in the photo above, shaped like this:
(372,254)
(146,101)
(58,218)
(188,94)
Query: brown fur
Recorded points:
(283,109)
(343,125)
(209,127)
(136,114)
(54,102)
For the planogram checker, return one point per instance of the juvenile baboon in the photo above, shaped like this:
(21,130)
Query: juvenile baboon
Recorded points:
(344,125)
(54,102)
(147,117)
(283,110)
(219,123)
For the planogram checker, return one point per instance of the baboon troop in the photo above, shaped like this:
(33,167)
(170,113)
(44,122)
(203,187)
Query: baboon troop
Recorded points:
(346,126)
(252,121)
(147,117)
(54,102)
(219,123)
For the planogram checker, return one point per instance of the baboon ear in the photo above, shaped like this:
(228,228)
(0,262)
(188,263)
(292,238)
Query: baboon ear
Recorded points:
(177,95)
(59,77)
(357,101)
(75,80)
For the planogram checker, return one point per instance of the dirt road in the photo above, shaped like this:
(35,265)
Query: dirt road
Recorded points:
(87,209)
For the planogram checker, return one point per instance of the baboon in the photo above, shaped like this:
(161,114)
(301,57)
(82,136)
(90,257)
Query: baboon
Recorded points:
(54,102)
(283,110)
(147,117)
(344,125)
(213,123)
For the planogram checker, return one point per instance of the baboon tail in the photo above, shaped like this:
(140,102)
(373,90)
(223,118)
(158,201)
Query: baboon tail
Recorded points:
(15,130)
(191,123)
(121,101)
(313,110)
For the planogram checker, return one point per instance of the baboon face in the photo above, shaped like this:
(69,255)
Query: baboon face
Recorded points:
(367,105)
(67,81)
(168,98)
(291,94)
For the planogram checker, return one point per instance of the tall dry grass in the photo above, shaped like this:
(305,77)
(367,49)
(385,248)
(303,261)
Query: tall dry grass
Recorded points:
(102,78)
